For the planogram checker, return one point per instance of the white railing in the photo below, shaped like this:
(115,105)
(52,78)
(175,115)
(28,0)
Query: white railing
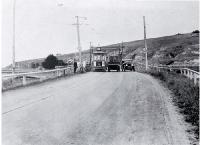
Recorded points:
(191,74)
(9,71)
(22,79)
(180,69)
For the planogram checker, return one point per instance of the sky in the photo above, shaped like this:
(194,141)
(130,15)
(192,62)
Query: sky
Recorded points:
(46,27)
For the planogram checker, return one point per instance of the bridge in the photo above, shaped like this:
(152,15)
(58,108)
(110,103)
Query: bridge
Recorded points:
(94,108)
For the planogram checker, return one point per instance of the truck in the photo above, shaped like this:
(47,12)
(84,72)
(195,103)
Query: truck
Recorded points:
(114,62)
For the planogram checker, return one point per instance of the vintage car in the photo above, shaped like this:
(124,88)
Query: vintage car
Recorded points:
(128,66)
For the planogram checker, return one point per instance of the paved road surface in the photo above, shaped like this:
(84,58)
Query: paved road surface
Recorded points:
(126,108)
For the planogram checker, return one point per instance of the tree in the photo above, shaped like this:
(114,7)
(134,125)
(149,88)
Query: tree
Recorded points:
(195,31)
(50,62)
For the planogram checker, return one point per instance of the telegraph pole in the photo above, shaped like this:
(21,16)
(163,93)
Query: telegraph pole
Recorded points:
(78,37)
(90,53)
(122,47)
(13,47)
(121,52)
(145,44)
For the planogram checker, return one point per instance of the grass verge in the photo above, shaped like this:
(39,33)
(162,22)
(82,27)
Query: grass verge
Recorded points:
(186,96)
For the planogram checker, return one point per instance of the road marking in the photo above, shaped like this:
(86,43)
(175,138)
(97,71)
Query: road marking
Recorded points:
(20,107)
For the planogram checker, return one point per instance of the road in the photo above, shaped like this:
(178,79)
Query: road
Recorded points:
(96,108)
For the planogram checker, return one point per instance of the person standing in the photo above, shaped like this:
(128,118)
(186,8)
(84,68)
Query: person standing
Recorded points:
(133,67)
(123,66)
(75,66)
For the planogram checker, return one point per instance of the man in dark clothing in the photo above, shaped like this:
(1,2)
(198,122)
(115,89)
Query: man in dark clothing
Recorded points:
(133,67)
(123,66)
(75,66)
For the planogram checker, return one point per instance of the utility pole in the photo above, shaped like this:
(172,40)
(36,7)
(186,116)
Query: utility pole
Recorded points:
(13,47)
(122,47)
(145,44)
(90,53)
(78,36)
(122,50)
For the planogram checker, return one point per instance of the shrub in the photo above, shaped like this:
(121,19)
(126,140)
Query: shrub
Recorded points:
(195,31)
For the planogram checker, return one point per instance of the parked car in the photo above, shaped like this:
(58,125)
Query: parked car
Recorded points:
(128,66)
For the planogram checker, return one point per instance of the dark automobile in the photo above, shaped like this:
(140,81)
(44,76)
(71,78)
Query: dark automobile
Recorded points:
(114,63)
(128,66)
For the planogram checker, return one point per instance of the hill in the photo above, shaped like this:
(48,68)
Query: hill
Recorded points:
(178,49)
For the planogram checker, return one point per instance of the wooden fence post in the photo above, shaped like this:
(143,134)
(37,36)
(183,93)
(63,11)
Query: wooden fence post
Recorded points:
(188,74)
(57,73)
(41,79)
(191,75)
(23,80)
(181,71)
(64,72)
(185,72)
(195,79)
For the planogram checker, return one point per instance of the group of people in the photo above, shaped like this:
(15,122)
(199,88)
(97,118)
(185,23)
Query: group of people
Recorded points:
(76,66)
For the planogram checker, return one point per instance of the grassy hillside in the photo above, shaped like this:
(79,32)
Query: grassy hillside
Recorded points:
(175,49)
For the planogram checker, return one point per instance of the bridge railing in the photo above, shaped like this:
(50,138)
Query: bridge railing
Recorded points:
(189,73)
(179,69)
(23,79)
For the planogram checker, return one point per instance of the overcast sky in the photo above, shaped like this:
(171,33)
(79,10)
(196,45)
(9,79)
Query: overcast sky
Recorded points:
(45,26)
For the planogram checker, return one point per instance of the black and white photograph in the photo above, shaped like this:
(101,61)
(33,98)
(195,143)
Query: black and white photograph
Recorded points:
(100,72)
